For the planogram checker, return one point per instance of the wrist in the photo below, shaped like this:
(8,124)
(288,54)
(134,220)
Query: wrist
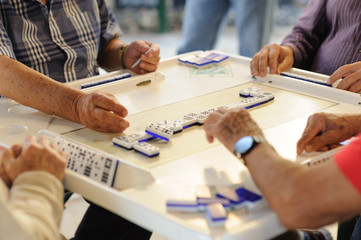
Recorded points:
(246,145)
(121,54)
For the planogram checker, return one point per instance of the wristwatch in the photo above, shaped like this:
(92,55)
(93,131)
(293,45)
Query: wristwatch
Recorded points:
(245,145)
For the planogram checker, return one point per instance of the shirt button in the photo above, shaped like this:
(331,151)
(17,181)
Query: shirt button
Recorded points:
(69,69)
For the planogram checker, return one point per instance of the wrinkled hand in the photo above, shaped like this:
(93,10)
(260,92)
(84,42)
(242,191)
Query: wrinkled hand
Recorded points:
(102,112)
(149,62)
(351,74)
(228,126)
(35,155)
(325,131)
(277,58)
(5,156)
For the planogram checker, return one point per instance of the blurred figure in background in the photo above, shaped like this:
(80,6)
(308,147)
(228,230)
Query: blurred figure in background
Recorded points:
(203,20)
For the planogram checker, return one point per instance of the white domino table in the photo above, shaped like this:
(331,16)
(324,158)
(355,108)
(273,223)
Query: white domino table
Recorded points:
(144,184)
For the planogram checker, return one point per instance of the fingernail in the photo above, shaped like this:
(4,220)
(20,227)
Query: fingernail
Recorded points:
(124,113)
(308,148)
(124,124)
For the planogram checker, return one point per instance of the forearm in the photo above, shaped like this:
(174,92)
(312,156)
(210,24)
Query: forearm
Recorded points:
(109,58)
(36,203)
(33,89)
(297,193)
(276,177)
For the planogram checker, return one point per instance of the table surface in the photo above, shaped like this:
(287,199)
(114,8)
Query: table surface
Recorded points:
(187,160)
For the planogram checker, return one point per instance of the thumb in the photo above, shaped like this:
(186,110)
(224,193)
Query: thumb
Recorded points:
(318,142)
(284,65)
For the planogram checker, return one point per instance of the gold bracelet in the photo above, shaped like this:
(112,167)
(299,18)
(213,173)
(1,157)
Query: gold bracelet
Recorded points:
(121,54)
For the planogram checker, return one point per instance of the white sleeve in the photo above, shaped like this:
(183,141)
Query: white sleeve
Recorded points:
(34,207)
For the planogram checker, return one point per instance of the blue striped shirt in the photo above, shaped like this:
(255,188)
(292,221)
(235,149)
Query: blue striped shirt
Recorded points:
(61,40)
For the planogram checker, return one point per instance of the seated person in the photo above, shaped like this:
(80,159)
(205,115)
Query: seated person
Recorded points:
(31,192)
(67,43)
(46,43)
(335,184)
(325,40)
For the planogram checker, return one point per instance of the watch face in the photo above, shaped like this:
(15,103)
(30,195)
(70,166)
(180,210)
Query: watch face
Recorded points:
(244,144)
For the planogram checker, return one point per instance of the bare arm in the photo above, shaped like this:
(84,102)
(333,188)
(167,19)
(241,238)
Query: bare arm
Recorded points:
(34,89)
(98,111)
(325,130)
(302,197)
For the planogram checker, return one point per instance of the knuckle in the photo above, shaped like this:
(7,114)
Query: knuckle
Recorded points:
(274,46)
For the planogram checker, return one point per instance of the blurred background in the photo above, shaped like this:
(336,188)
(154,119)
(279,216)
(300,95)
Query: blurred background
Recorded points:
(160,21)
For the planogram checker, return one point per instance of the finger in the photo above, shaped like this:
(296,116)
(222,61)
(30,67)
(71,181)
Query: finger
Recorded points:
(311,130)
(141,46)
(155,51)
(209,126)
(254,65)
(348,81)
(106,102)
(150,59)
(263,61)
(321,141)
(209,137)
(110,120)
(28,142)
(44,141)
(16,149)
(285,64)
(5,155)
(273,58)
(148,67)
(333,146)
(338,74)
(142,71)
(356,87)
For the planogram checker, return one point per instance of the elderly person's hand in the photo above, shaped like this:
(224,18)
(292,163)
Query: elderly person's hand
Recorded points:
(325,131)
(149,62)
(351,77)
(5,156)
(228,126)
(41,155)
(101,111)
(277,58)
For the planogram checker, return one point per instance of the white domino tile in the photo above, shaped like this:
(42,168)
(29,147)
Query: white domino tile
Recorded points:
(141,136)
(125,142)
(190,119)
(147,149)
(159,131)
(88,162)
(175,126)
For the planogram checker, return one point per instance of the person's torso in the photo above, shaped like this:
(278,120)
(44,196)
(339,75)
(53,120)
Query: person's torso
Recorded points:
(61,41)
(343,42)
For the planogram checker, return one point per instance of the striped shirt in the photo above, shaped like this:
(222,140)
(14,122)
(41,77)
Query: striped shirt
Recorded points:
(61,39)
(327,35)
